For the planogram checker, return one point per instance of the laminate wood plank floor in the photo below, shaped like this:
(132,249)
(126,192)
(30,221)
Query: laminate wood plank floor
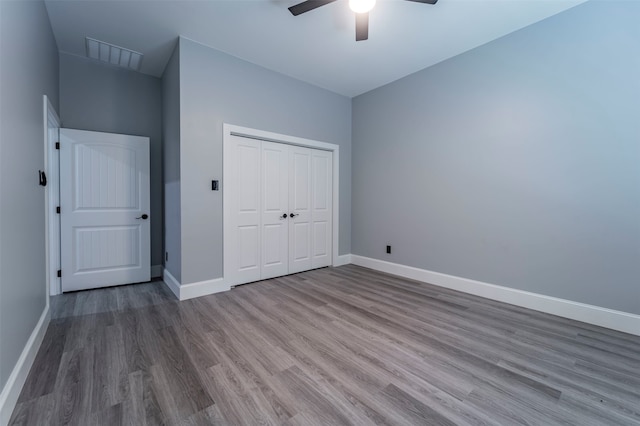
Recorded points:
(334,346)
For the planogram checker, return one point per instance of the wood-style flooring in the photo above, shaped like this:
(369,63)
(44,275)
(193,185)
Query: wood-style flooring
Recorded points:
(334,346)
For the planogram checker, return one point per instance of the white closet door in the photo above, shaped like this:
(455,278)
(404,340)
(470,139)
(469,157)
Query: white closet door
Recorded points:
(245,211)
(299,209)
(104,197)
(321,208)
(278,209)
(274,192)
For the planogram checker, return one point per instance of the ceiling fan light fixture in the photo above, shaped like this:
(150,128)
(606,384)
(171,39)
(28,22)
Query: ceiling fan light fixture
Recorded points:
(361,6)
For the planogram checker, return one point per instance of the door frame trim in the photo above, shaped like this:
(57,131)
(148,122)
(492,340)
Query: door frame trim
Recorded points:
(229,130)
(52,198)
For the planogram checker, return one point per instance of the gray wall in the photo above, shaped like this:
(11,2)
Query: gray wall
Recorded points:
(171,161)
(29,70)
(104,98)
(218,88)
(517,163)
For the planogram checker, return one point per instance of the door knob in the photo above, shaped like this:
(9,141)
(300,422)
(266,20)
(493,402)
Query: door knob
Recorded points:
(144,217)
(284,216)
(294,214)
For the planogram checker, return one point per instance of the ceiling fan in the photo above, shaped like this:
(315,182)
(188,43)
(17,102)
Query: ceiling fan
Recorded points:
(360,7)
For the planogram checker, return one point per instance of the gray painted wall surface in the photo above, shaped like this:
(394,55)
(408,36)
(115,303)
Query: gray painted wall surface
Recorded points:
(218,88)
(103,98)
(171,161)
(516,163)
(29,70)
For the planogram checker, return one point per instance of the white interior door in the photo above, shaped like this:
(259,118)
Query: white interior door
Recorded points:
(299,209)
(104,200)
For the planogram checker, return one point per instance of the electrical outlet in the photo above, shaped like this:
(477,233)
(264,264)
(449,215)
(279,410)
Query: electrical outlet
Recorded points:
(388,249)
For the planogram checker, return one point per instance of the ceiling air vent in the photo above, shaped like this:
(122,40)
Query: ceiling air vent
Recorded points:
(114,55)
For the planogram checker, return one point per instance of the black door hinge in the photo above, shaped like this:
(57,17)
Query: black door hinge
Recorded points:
(58,209)
(57,145)
(59,273)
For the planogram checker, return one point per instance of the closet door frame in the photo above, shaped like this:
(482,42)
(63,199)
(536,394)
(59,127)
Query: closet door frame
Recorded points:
(229,131)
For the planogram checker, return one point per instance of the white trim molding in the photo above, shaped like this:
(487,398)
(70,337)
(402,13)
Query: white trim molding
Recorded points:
(596,315)
(343,259)
(197,289)
(13,387)
(52,197)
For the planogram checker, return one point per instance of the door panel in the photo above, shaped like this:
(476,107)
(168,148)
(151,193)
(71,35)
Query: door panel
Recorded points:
(104,191)
(248,248)
(321,206)
(274,188)
(103,248)
(300,207)
(245,207)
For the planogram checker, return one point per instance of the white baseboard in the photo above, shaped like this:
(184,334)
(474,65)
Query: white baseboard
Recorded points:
(344,259)
(197,289)
(171,283)
(604,317)
(13,387)
(203,288)
(156,271)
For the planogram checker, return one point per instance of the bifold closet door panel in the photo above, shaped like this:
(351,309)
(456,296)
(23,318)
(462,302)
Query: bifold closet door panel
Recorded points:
(245,244)
(275,208)
(299,209)
(321,208)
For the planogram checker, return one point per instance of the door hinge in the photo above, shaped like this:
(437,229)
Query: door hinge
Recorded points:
(59,273)
(57,145)
(58,209)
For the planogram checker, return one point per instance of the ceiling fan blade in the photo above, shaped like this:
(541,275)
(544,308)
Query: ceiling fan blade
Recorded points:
(308,5)
(425,1)
(362,26)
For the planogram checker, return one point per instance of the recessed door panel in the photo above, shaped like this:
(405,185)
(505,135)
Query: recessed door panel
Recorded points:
(106,247)
(248,248)
(106,178)
(320,243)
(248,168)
(300,250)
(272,235)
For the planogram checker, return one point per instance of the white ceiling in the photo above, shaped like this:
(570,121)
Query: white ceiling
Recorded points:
(317,47)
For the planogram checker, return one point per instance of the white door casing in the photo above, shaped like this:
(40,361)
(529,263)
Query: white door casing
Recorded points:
(104,197)
(286,184)
(52,196)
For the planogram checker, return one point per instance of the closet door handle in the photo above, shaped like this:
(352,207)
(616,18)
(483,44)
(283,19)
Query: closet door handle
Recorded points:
(144,217)
(284,216)
(294,215)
